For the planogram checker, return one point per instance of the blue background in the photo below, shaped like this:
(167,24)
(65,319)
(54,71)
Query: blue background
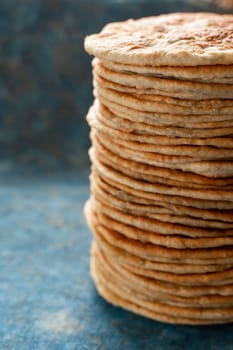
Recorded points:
(47,299)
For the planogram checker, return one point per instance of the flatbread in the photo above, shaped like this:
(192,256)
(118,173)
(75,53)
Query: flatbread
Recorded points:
(110,274)
(213,278)
(170,241)
(137,173)
(121,111)
(221,255)
(127,303)
(209,168)
(130,126)
(110,270)
(197,152)
(149,102)
(207,74)
(165,207)
(157,225)
(202,194)
(109,158)
(163,214)
(147,124)
(127,191)
(213,105)
(124,257)
(178,39)
(168,87)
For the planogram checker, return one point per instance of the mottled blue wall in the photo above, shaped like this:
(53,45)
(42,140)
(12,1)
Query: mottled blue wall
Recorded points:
(45,77)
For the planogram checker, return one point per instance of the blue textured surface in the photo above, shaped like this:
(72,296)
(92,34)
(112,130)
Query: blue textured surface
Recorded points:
(47,299)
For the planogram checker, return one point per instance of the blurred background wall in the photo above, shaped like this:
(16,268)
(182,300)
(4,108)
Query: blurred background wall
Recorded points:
(45,75)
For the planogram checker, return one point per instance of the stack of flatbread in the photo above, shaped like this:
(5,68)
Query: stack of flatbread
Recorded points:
(161,206)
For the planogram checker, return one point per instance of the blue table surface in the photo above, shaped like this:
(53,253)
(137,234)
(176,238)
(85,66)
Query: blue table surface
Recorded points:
(47,299)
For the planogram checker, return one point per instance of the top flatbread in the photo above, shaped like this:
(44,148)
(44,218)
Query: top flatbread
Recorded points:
(178,39)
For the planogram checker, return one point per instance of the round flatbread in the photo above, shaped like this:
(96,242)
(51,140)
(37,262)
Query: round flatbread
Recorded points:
(211,74)
(177,39)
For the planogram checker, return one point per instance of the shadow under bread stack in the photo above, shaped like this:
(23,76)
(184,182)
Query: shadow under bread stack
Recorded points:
(161,206)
